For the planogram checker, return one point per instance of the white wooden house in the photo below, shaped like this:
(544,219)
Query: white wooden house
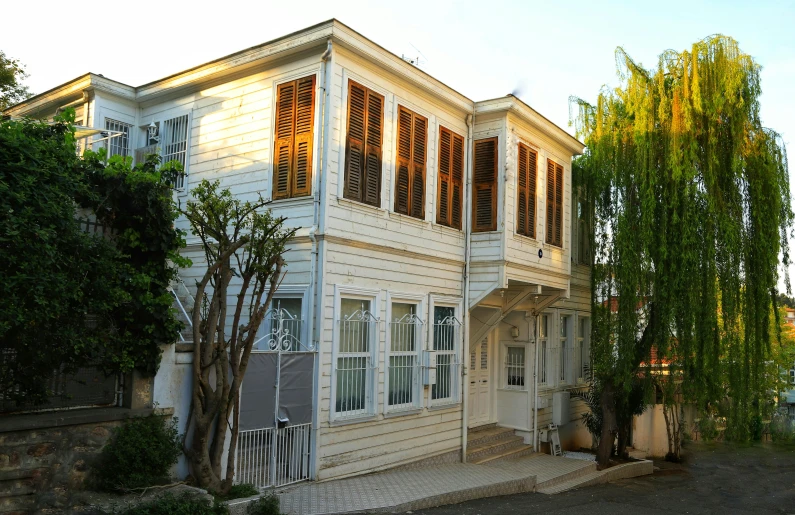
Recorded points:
(436,274)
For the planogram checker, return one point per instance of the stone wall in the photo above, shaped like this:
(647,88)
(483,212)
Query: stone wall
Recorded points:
(46,458)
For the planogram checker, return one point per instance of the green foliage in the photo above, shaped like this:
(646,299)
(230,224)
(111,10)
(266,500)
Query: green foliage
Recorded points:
(782,429)
(265,505)
(67,298)
(691,202)
(139,454)
(707,429)
(182,505)
(12,73)
(238,491)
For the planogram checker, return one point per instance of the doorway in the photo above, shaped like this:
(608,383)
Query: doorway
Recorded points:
(479,383)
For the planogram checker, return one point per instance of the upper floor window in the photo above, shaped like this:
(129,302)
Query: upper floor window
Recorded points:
(174,141)
(363,145)
(526,196)
(484,187)
(451,179)
(119,145)
(292,154)
(554,203)
(412,141)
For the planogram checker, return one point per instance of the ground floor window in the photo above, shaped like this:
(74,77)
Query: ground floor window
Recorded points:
(543,350)
(514,368)
(405,334)
(283,326)
(445,337)
(583,349)
(357,333)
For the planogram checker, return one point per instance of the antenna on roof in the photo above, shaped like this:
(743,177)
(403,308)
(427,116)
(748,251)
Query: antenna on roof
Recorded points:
(416,61)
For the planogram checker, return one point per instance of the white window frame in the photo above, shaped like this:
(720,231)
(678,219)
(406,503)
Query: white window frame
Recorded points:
(419,301)
(163,133)
(111,142)
(290,291)
(371,387)
(564,377)
(456,377)
(582,347)
(545,351)
(507,366)
(160,120)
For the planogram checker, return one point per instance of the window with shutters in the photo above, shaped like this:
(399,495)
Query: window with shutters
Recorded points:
(363,146)
(412,142)
(526,191)
(450,187)
(554,203)
(292,154)
(484,187)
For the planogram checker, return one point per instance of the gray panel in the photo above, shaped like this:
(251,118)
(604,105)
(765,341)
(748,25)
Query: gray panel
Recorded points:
(258,393)
(295,390)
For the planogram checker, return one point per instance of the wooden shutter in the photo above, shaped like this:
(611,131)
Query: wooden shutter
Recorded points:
(292,155)
(363,146)
(451,178)
(412,141)
(484,187)
(554,203)
(526,191)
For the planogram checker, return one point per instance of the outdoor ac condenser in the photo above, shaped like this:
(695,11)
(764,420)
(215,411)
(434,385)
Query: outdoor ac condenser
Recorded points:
(560,408)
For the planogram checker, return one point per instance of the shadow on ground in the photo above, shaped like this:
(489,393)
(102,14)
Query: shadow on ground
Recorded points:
(715,478)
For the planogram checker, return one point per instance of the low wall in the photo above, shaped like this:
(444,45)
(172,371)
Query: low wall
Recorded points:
(648,430)
(46,458)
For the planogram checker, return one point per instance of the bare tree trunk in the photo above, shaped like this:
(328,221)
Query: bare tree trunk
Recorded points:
(609,425)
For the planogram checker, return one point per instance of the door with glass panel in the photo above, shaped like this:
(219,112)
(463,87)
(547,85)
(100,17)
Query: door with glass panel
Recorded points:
(479,383)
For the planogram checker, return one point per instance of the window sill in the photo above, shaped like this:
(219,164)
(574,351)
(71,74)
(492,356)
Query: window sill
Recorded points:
(358,206)
(409,220)
(352,420)
(446,405)
(402,412)
(529,240)
(293,201)
(517,390)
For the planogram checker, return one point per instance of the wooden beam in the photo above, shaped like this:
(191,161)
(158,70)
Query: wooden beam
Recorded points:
(500,314)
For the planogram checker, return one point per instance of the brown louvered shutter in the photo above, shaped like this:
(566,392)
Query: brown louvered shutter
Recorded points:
(363,146)
(304,124)
(526,194)
(283,144)
(554,203)
(484,187)
(412,141)
(451,178)
(292,155)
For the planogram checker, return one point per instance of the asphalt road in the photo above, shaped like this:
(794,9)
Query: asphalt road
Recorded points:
(715,479)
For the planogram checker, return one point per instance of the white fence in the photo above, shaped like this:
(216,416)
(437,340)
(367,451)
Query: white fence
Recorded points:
(273,456)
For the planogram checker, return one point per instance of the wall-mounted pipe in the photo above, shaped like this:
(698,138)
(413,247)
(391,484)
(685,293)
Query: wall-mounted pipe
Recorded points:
(467,252)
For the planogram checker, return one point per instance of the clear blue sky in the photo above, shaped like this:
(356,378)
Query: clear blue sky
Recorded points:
(484,49)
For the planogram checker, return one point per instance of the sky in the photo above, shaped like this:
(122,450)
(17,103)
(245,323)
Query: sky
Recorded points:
(543,52)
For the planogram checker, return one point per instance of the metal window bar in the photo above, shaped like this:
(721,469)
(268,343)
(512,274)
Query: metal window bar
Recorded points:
(284,332)
(92,226)
(542,366)
(272,457)
(174,139)
(446,340)
(514,368)
(403,365)
(354,368)
(564,361)
(120,145)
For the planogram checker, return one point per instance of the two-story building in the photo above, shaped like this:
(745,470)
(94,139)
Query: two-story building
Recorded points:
(438,278)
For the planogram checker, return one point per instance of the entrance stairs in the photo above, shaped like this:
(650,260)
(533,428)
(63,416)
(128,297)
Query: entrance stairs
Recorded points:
(492,444)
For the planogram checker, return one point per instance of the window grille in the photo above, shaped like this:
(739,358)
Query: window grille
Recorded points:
(543,350)
(174,141)
(405,331)
(119,145)
(564,350)
(583,358)
(792,376)
(282,327)
(446,330)
(514,368)
(354,367)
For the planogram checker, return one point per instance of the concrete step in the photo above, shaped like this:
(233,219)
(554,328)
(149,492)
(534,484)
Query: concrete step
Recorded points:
(488,435)
(484,427)
(493,447)
(507,454)
(565,478)
(570,484)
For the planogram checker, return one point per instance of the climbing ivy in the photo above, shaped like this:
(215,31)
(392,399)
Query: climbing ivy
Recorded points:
(690,198)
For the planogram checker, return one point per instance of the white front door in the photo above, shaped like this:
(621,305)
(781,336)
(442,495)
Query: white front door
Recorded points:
(479,379)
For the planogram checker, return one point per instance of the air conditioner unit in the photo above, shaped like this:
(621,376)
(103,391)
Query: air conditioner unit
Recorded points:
(561,413)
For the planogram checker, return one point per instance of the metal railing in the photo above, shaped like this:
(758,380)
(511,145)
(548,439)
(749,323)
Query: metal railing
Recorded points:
(283,332)
(445,341)
(273,456)
(402,362)
(355,367)
(514,368)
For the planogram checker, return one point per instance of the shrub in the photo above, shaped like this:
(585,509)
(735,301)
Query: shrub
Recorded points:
(183,505)
(708,429)
(139,454)
(782,429)
(239,491)
(265,505)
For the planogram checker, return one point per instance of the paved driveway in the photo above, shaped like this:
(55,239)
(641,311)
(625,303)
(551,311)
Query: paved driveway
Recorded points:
(716,478)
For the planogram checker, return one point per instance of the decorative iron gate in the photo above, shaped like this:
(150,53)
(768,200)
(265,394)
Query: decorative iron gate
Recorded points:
(275,440)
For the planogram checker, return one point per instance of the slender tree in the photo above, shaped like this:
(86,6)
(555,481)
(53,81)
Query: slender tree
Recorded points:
(243,245)
(690,198)
(12,90)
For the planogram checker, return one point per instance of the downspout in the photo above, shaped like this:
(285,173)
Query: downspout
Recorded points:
(315,257)
(467,232)
(535,385)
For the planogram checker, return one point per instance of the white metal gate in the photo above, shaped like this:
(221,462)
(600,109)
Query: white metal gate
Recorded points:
(273,450)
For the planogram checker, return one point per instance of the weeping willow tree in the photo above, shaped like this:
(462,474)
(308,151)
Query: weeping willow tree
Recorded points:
(690,201)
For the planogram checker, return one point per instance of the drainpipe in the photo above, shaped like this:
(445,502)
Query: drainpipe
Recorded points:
(465,314)
(535,386)
(313,330)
